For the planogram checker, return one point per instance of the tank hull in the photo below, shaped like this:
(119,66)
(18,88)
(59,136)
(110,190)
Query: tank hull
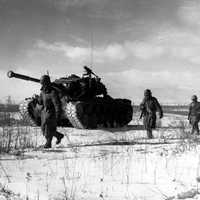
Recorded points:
(99,112)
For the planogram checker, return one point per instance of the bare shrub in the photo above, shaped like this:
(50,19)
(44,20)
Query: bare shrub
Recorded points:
(15,136)
(8,194)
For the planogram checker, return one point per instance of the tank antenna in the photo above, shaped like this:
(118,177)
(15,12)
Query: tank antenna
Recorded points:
(91,46)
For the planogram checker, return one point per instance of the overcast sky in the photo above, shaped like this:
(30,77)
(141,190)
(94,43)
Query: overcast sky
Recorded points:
(131,44)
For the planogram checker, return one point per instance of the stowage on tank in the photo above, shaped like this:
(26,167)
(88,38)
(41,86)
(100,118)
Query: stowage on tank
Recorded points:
(85,103)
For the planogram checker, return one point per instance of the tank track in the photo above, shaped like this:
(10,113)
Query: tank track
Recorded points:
(31,113)
(24,111)
(98,112)
(71,112)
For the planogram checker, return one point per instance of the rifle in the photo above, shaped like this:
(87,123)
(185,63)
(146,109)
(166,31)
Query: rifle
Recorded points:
(142,113)
(143,109)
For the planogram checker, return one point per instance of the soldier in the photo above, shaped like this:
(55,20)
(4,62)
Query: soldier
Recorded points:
(51,110)
(149,107)
(194,114)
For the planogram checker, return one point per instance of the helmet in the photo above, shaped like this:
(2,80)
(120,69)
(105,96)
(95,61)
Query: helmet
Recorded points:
(45,80)
(194,98)
(147,92)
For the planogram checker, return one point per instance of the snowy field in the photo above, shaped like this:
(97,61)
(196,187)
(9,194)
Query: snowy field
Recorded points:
(105,164)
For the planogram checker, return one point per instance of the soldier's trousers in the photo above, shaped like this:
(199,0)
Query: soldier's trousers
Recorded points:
(194,120)
(149,121)
(49,127)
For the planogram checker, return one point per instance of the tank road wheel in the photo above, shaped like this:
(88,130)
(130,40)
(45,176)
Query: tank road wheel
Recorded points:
(87,115)
(115,112)
(125,112)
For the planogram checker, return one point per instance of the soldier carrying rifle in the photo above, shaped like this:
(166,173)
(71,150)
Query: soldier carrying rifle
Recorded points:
(194,114)
(51,110)
(149,107)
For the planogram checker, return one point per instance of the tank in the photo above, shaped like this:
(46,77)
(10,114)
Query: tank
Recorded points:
(85,103)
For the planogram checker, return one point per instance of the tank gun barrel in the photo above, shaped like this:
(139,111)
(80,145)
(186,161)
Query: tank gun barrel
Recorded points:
(12,74)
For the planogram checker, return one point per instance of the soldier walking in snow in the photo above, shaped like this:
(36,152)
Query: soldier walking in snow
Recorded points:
(149,107)
(51,110)
(194,114)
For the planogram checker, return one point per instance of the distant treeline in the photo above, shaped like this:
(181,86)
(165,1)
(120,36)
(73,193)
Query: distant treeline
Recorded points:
(9,107)
(171,109)
(174,109)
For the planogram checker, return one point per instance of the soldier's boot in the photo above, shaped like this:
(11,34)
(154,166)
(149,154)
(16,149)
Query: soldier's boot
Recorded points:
(192,131)
(59,137)
(197,129)
(149,134)
(48,143)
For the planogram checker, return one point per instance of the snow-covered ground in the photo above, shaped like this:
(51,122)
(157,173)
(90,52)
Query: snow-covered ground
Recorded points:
(106,164)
